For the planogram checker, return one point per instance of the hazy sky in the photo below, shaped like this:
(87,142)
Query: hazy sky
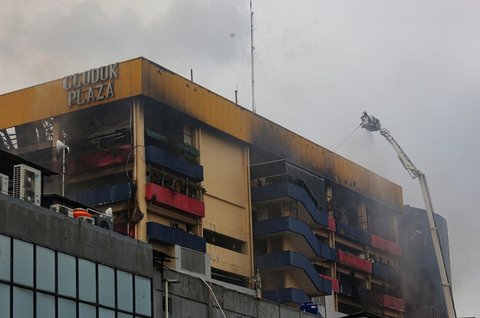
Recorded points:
(413,64)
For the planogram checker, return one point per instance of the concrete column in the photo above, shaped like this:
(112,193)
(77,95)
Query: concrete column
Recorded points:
(253,274)
(139,168)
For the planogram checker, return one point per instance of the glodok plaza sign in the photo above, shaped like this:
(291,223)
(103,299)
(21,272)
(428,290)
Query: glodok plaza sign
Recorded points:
(91,86)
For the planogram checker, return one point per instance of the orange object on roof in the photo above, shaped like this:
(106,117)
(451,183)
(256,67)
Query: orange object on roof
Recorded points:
(81,212)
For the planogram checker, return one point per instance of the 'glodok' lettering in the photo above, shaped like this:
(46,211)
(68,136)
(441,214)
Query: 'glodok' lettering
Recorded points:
(91,86)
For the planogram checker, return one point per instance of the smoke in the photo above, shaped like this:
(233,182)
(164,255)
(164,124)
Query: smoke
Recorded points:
(318,66)
(58,41)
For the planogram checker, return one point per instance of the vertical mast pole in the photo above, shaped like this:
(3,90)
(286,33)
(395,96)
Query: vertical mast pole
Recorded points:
(252,48)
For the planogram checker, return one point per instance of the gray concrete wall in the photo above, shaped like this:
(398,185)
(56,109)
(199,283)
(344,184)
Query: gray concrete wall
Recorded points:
(191,298)
(45,227)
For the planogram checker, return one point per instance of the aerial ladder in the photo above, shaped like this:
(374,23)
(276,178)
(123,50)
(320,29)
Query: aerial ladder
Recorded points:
(373,124)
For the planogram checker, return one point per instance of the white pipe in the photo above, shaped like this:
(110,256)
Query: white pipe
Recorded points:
(214,297)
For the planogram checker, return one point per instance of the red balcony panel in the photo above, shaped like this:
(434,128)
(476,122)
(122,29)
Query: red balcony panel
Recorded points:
(105,158)
(335,283)
(332,224)
(355,262)
(166,197)
(386,245)
(394,303)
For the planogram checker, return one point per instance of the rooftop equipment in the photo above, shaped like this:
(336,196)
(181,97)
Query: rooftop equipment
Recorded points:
(27,183)
(3,184)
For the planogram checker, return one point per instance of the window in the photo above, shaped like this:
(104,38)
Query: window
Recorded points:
(22,303)
(106,286)
(66,286)
(124,291)
(187,135)
(224,241)
(66,308)
(66,275)
(105,313)
(45,269)
(4,257)
(276,245)
(45,305)
(142,296)
(87,281)
(4,300)
(23,263)
(86,311)
(291,209)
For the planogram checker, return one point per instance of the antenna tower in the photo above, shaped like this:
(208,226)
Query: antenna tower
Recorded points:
(252,48)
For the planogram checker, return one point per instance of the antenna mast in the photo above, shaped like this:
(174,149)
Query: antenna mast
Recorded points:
(252,48)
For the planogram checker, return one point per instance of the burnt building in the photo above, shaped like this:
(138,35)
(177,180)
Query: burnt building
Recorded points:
(216,190)
(420,276)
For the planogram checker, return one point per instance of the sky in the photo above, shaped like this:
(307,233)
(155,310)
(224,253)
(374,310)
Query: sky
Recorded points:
(318,65)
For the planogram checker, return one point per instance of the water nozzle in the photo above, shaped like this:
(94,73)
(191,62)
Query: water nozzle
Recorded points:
(370,123)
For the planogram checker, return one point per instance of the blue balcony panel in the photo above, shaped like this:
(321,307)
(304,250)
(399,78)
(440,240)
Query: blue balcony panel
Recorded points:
(353,233)
(285,189)
(105,195)
(384,272)
(286,296)
(295,260)
(174,164)
(289,224)
(287,170)
(172,236)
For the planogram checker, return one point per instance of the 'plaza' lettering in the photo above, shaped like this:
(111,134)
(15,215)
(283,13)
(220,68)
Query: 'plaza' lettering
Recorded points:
(92,94)
(90,86)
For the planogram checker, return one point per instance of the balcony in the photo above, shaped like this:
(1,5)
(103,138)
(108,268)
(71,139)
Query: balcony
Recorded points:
(286,296)
(106,158)
(374,301)
(335,283)
(168,198)
(301,230)
(288,172)
(175,164)
(173,236)
(353,233)
(300,267)
(355,262)
(384,272)
(385,245)
(286,189)
(394,303)
(105,195)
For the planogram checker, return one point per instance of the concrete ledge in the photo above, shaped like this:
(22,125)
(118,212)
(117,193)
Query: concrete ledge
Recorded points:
(41,226)
(192,298)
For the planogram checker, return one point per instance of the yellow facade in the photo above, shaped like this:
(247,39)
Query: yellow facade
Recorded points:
(227,202)
(143,77)
(224,134)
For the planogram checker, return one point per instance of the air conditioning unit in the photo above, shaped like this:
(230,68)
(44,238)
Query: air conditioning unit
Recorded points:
(62,209)
(192,262)
(3,184)
(27,183)
(103,221)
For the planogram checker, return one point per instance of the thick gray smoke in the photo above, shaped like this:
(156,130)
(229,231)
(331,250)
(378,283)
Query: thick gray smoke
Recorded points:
(318,66)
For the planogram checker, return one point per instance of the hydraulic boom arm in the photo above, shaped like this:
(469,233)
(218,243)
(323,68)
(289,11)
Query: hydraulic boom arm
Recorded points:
(373,124)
